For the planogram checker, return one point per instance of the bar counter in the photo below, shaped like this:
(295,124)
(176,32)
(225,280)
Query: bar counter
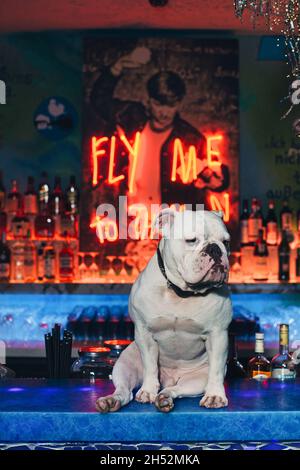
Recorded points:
(62,414)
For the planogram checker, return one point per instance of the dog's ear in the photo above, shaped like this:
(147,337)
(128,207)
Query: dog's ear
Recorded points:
(164,221)
(219,214)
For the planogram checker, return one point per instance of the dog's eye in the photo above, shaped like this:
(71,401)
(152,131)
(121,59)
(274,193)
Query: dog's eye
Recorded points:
(190,241)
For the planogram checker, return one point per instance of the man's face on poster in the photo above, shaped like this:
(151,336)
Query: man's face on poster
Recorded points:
(162,115)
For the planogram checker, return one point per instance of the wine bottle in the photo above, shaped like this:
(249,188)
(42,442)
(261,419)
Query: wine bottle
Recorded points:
(271,225)
(244,223)
(261,268)
(284,258)
(234,367)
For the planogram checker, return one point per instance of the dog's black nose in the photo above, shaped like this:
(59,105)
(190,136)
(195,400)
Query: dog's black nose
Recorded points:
(214,251)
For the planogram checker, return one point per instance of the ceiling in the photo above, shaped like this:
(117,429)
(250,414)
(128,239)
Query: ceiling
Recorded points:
(35,15)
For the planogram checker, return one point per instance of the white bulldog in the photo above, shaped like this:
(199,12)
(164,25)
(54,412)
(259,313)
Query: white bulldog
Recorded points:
(181,309)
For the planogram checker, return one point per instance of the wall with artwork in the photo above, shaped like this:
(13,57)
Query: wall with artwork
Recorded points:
(41,124)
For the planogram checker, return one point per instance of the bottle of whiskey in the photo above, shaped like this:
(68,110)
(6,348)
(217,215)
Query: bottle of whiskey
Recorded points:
(30,198)
(40,263)
(261,268)
(244,223)
(44,226)
(286,220)
(66,262)
(2,193)
(20,224)
(72,197)
(284,258)
(255,222)
(271,224)
(29,260)
(13,201)
(235,370)
(4,259)
(17,261)
(50,263)
(44,193)
(258,366)
(282,365)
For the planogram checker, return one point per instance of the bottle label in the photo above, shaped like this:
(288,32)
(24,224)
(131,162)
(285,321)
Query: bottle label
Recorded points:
(49,266)
(244,232)
(272,233)
(254,226)
(261,375)
(30,204)
(66,262)
(286,221)
(283,374)
(12,205)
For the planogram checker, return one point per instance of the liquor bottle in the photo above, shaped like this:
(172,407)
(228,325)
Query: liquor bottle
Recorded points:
(66,262)
(50,263)
(72,197)
(282,366)
(298,265)
(29,260)
(255,222)
(258,366)
(44,225)
(286,220)
(271,225)
(284,258)
(244,223)
(234,367)
(44,193)
(82,269)
(4,259)
(17,261)
(57,197)
(2,193)
(261,268)
(13,201)
(40,264)
(3,222)
(30,198)
(19,224)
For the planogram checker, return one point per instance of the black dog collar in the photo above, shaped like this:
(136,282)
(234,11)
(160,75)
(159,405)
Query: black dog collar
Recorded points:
(180,292)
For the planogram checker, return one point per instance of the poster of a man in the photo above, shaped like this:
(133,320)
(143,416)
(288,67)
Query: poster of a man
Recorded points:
(152,87)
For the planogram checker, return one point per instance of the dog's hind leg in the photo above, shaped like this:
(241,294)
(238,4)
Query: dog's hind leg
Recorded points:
(127,374)
(189,384)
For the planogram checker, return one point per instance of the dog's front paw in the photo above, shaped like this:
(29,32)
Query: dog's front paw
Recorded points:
(214,399)
(145,396)
(164,402)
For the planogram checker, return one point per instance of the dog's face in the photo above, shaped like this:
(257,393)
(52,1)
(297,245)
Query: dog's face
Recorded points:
(196,244)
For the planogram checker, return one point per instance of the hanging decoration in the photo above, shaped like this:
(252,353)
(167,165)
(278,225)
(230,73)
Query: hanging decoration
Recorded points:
(282,15)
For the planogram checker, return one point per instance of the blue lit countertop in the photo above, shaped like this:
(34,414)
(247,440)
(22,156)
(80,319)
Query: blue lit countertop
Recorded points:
(40,410)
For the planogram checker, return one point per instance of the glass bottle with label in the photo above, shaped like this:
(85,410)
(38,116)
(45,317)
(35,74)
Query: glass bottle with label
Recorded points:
(20,224)
(286,220)
(4,259)
(255,222)
(41,262)
(44,224)
(244,223)
(66,262)
(72,196)
(13,201)
(284,258)
(30,198)
(261,267)
(258,366)
(2,193)
(50,263)
(282,365)
(44,193)
(17,262)
(29,260)
(271,225)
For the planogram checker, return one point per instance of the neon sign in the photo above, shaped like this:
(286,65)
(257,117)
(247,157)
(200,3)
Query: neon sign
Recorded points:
(186,165)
